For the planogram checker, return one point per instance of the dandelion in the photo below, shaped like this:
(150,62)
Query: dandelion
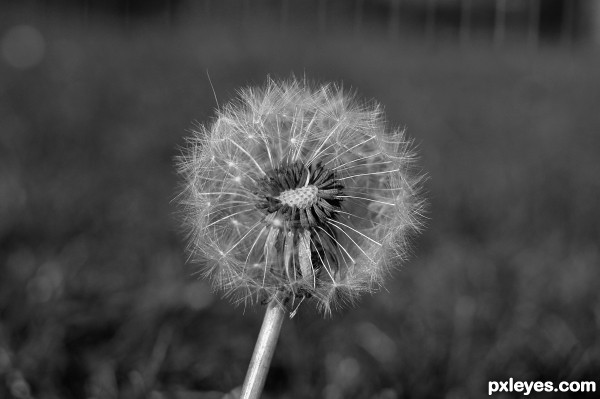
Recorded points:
(297,192)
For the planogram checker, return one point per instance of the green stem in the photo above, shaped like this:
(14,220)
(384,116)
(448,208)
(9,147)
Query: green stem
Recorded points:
(263,351)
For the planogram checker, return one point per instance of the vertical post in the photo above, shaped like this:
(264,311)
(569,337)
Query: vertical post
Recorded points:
(46,10)
(285,12)
(86,12)
(322,15)
(358,17)
(263,351)
(430,21)
(499,23)
(127,14)
(534,23)
(568,22)
(245,16)
(394,22)
(594,21)
(169,14)
(207,10)
(465,22)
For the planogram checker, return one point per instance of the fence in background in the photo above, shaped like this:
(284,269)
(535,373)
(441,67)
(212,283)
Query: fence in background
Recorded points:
(495,21)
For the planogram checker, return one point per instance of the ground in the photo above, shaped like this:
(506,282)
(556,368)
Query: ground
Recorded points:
(96,296)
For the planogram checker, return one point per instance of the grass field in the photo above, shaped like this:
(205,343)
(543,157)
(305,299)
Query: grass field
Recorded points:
(96,298)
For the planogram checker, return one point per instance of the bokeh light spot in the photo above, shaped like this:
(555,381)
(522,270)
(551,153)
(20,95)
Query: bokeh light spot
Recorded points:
(198,295)
(23,47)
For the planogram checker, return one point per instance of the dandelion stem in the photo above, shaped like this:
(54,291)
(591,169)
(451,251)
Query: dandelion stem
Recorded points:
(263,351)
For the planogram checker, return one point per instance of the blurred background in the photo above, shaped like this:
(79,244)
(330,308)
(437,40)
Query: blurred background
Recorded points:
(500,96)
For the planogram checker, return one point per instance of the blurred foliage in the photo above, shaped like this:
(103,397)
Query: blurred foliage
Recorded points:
(96,299)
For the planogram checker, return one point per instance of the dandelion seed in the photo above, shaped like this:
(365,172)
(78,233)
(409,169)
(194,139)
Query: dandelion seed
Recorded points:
(298,193)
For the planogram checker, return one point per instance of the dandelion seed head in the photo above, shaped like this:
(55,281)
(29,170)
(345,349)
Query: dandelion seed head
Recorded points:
(301,190)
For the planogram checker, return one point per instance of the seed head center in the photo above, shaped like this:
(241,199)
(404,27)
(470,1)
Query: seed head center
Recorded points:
(302,197)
